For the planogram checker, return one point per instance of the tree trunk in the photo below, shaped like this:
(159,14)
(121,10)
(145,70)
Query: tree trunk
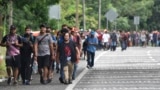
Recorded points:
(1,30)
(77,14)
(1,20)
(99,15)
(10,13)
(84,19)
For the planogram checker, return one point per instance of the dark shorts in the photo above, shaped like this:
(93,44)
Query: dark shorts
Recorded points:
(43,61)
(13,61)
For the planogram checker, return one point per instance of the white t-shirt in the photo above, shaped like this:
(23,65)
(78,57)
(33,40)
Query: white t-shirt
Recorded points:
(106,37)
(143,37)
(151,36)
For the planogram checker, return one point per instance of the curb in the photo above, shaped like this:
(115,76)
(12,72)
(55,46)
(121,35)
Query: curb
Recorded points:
(3,79)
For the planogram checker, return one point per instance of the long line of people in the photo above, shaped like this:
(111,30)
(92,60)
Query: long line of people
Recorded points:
(126,39)
(63,51)
(47,51)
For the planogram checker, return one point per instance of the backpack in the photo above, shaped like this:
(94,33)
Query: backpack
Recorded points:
(85,44)
(114,37)
(26,48)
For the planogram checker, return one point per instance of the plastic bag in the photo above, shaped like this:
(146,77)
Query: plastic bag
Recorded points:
(35,67)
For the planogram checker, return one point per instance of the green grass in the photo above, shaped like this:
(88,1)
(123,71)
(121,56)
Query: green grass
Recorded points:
(2,64)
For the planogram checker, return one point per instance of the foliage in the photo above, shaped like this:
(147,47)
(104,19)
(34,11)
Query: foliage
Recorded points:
(126,9)
(35,12)
(28,12)
(2,63)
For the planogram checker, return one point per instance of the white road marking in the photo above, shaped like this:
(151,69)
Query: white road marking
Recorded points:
(71,86)
(123,55)
(150,56)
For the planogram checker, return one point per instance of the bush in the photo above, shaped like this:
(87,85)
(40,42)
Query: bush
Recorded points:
(2,69)
(2,63)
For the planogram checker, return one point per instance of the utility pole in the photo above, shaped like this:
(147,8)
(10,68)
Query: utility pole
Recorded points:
(10,12)
(77,14)
(99,15)
(84,20)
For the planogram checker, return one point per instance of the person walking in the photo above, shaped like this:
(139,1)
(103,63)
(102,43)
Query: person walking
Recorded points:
(77,39)
(43,48)
(52,62)
(123,40)
(60,40)
(92,42)
(106,40)
(143,39)
(67,54)
(12,42)
(26,58)
(113,39)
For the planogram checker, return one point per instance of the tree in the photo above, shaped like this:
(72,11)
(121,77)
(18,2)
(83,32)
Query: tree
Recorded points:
(28,12)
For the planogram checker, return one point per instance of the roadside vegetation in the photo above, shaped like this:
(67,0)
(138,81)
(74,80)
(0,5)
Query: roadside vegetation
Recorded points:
(2,63)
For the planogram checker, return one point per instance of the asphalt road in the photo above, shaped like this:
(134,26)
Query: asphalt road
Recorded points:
(136,68)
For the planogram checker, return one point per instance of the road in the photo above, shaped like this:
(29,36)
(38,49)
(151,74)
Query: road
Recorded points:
(136,68)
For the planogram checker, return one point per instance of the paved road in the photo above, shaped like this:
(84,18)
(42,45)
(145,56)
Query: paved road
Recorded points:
(134,69)
(55,85)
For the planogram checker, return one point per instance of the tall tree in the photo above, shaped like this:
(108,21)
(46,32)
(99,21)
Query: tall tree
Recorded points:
(32,12)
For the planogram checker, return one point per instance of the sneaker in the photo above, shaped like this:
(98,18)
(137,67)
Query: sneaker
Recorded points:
(70,82)
(9,81)
(61,80)
(15,83)
(66,82)
(49,80)
(45,82)
(27,82)
(73,78)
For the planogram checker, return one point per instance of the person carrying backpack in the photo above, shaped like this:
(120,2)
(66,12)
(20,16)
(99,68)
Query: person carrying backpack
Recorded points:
(26,58)
(12,42)
(43,53)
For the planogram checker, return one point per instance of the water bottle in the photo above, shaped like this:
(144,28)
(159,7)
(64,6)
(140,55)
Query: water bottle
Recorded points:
(35,67)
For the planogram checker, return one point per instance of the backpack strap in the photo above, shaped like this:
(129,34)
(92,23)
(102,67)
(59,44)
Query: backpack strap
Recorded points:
(42,39)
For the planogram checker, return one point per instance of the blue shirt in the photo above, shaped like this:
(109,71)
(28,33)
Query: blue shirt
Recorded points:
(92,48)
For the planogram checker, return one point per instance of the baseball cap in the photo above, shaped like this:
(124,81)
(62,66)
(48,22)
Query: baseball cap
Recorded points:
(12,27)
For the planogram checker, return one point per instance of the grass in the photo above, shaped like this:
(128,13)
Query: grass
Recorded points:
(2,63)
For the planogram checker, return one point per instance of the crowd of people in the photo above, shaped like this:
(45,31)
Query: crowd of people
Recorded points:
(62,51)
(126,39)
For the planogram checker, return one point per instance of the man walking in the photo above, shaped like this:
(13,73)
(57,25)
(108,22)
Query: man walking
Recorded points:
(26,59)
(43,48)
(12,42)
(67,54)
(92,41)
(113,41)
(106,40)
